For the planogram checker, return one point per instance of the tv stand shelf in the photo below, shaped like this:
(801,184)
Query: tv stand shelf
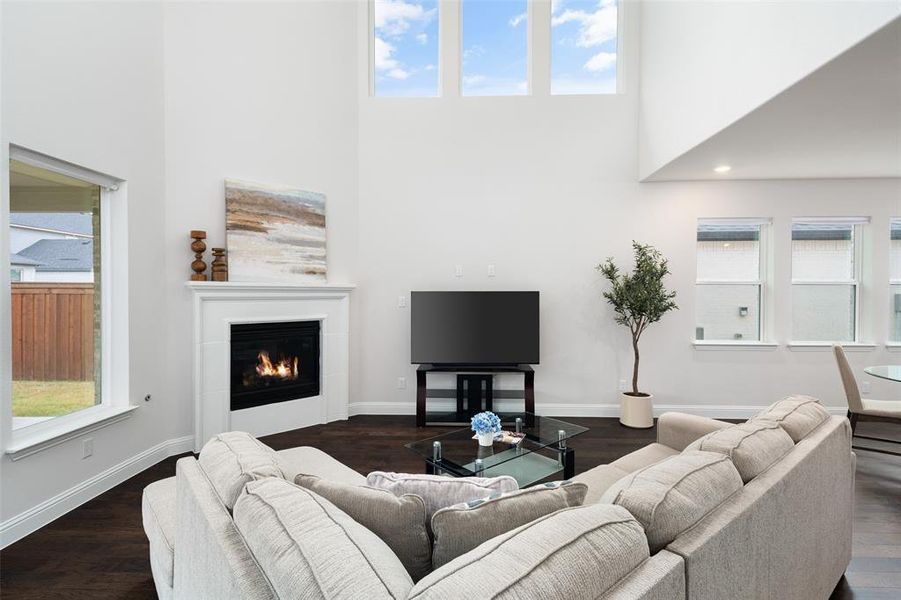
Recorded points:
(461,416)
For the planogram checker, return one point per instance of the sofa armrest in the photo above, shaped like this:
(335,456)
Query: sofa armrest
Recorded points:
(678,430)
(212,560)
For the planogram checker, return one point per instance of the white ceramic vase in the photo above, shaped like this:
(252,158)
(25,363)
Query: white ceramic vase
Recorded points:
(636,411)
(486,439)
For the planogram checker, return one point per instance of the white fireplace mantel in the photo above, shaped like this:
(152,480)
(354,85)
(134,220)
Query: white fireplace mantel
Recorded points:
(217,305)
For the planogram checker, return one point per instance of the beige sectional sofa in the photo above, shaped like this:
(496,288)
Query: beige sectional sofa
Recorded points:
(709,511)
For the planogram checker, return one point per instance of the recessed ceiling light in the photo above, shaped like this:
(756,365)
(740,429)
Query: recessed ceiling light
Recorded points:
(722,168)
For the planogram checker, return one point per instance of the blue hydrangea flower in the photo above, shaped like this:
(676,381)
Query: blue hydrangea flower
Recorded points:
(486,422)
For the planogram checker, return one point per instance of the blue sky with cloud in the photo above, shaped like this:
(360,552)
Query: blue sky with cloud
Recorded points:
(583,46)
(495,47)
(405,47)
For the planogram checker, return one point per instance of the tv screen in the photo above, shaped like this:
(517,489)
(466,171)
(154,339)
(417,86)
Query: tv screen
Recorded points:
(474,328)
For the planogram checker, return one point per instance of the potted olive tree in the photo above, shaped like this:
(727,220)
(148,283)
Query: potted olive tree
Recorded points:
(638,299)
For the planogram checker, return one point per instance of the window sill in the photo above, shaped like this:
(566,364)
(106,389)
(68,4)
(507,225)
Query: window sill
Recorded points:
(26,444)
(893,346)
(727,345)
(827,346)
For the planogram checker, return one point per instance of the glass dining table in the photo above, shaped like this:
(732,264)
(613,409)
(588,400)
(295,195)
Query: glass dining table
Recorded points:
(890,372)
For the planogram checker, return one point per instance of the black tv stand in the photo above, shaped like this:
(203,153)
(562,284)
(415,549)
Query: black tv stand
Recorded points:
(474,385)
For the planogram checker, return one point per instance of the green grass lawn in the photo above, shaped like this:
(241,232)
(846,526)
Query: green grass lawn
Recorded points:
(51,398)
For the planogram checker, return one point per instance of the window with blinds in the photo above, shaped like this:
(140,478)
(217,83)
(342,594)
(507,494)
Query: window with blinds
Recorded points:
(895,279)
(731,279)
(826,278)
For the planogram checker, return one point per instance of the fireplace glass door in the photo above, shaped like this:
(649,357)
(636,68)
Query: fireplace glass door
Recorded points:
(273,362)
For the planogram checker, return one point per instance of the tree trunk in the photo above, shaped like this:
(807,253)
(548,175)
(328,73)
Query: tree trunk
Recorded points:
(635,366)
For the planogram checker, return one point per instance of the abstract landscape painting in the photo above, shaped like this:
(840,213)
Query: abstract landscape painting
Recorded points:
(274,234)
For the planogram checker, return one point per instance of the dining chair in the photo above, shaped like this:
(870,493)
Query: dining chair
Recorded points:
(873,410)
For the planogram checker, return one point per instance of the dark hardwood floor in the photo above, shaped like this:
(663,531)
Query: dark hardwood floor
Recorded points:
(99,550)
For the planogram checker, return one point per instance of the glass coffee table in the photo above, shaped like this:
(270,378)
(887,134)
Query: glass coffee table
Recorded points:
(543,451)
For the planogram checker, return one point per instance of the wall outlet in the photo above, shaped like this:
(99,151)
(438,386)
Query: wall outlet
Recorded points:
(458,270)
(401,383)
(623,385)
(864,387)
(87,448)
(491,271)
(401,302)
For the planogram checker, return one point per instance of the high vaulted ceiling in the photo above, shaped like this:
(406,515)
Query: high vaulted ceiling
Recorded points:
(841,121)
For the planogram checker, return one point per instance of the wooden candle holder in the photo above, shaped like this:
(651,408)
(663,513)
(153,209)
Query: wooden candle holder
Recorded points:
(219,266)
(198,246)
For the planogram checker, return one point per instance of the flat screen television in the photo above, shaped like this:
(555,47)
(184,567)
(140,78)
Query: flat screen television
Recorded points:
(474,328)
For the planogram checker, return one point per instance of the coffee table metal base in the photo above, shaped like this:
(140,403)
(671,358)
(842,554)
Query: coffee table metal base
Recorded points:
(526,469)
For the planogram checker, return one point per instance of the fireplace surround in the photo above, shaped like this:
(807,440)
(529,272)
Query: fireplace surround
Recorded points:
(221,312)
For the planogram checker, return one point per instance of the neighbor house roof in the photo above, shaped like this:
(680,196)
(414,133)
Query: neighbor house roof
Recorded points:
(16,259)
(71,223)
(61,255)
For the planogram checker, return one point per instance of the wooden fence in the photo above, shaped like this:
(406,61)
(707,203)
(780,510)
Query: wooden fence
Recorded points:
(53,331)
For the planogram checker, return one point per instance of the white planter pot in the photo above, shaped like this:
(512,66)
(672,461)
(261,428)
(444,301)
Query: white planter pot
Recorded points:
(486,439)
(636,411)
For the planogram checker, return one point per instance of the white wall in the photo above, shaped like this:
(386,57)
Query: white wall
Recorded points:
(705,64)
(84,82)
(263,92)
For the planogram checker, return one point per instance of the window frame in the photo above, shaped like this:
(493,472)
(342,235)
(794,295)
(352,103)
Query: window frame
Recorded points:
(114,402)
(892,281)
(857,239)
(539,53)
(762,282)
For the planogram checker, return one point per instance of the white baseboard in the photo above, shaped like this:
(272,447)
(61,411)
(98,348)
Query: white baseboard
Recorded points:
(714,411)
(17,527)
(381,408)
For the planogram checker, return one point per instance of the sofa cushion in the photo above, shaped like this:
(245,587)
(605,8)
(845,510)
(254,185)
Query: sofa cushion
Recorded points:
(234,458)
(459,528)
(572,553)
(308,548)
(599,480)
(752,446)
(398,520)
(644,457)
(797,415)
(670,496)
(313,461)
(158,514)
(438,491)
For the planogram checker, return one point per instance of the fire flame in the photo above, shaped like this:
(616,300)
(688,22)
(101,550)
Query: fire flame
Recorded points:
(284,368)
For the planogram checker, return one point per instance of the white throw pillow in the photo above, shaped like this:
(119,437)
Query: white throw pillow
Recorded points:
(438,491)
